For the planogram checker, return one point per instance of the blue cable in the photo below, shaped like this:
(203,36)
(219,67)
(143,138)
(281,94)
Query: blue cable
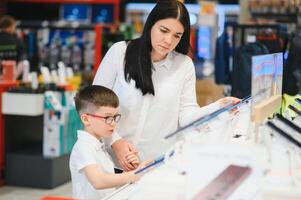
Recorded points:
(155,162)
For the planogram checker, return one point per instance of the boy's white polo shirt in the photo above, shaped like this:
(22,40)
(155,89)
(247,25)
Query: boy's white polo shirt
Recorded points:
(87,151)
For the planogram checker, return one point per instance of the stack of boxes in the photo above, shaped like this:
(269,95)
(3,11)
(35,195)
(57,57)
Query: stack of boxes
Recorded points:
(61,122)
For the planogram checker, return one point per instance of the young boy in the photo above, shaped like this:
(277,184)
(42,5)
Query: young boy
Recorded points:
(92,170)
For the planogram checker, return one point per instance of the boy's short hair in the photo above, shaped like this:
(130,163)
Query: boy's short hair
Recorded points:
(90,98)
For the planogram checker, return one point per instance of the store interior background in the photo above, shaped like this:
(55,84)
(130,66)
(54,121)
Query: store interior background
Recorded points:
(52,32)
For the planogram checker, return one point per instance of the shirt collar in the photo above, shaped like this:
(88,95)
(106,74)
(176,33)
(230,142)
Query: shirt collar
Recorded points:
(85,136)
(166,62)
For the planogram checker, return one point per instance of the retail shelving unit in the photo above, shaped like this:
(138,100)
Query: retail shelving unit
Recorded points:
(4,85)
(24,162)
(98,27)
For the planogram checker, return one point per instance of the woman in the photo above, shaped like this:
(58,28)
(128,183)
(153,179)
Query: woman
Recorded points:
(155,82)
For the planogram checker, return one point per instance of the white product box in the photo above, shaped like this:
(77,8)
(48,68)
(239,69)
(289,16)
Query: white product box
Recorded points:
(22,104)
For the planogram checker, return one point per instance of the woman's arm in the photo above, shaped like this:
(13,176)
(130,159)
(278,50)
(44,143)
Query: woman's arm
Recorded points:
(189,108)
(106,76)
(107,71)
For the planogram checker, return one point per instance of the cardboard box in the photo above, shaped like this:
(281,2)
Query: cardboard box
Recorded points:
(207,91)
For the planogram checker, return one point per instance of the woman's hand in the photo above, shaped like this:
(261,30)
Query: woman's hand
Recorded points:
(133,159)
(226,101)
(122,149)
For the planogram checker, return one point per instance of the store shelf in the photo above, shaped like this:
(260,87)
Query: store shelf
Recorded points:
(55,5)
(61,25)
(66,1)
(288,17)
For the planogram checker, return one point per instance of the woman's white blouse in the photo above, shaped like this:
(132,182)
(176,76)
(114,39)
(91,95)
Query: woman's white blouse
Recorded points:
(147,119)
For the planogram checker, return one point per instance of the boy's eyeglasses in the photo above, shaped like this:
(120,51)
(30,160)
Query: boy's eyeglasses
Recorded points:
(109,119)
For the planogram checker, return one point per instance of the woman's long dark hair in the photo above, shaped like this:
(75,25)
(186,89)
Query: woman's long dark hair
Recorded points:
(138,64)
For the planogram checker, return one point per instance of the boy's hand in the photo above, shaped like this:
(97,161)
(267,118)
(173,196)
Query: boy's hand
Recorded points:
(135,177)
(144,164)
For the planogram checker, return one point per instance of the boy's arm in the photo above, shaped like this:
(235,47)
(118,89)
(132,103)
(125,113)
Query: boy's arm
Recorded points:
(101,180)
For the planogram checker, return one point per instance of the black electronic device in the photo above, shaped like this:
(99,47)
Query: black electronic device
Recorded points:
(289,123)
(284,134)
(293,108)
